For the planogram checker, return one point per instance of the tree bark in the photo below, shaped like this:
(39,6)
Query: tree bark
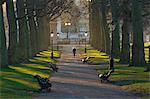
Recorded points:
(44,32)
(115,51)
(43,37)
(106,29)
(98,32)
(125,49)
(90,22)
(24,38)
(95,29)
(3,49)
(13,44)
(103,37)
(91,25)
(138,55)
(34,36)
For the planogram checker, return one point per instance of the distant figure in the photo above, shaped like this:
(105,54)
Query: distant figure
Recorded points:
(111,66)
(74,52)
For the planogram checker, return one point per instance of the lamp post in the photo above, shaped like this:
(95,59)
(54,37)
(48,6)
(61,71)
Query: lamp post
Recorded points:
(52,54)
(57,41)
(112,29)
(67,24)
(89,3)
(85,40)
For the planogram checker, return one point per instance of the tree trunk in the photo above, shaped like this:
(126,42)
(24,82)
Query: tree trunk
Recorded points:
(3,49)
(103,37)
(115,51)
(44,32)
(138,55)
(93,14)
(43,37)
(90,23)
(24,38)
(125,49)
(93,27)
(35,41)
(106,29)
(101,30)
(98,32)
(13,44)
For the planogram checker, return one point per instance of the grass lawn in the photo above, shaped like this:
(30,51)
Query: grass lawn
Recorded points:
(101,57)
(128,78)
(132,79)
(17,81)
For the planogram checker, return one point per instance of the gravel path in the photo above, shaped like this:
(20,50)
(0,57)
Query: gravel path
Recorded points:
(75,80)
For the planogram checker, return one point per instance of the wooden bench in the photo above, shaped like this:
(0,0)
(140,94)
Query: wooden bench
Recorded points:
(44,83)
(86,59)
(53,66)
(104,77)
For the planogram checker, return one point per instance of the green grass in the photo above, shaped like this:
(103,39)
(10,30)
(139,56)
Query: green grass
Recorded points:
(17,81)
(48,53)
(101,57)
(146,50)
(129,78)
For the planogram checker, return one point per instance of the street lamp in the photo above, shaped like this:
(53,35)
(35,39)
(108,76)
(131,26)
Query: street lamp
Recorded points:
(112,29)
(85,40)
(52,54)
(89,8)
(67,24)
(57,41)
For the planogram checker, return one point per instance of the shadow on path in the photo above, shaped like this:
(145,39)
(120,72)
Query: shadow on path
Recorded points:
(79,81)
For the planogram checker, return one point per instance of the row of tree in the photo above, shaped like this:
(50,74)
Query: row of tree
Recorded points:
(112,20)
(29,30)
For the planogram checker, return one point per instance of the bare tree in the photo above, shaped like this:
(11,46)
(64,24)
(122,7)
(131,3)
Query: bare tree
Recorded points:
(53,8)
(3,49)
(13,44)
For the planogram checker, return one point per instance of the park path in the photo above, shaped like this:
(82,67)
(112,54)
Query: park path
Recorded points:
(75,80)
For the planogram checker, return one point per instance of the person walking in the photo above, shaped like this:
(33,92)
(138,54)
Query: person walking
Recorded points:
(74,52)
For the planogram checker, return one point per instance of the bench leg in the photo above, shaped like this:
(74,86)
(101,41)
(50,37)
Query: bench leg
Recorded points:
(49,89)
